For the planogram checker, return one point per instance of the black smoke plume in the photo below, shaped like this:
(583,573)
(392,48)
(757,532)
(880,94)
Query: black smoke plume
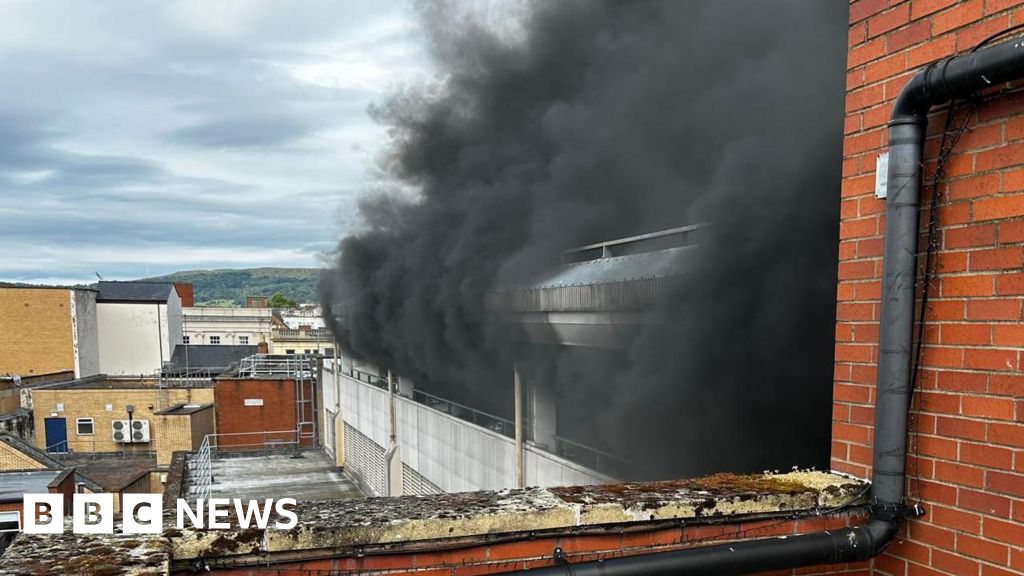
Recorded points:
(590,120)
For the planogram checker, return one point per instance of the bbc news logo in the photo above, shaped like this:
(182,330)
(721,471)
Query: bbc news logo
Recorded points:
(144,513)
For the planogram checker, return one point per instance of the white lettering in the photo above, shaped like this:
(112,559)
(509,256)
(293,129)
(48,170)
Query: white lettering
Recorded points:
(93,514)
(217,508)
(293,519)
(253,511)
(43,513)
(185,510)
(142,513)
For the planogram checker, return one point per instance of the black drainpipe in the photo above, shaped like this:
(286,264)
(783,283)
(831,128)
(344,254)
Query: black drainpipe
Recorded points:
(953,78)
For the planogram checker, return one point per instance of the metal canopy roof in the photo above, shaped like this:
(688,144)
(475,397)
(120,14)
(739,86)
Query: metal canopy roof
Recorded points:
(648,265)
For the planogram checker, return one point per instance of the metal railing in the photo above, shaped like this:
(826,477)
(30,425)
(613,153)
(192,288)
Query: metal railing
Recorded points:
(463,412)
(61,447)
(290,365)
(593,458)
(266,442)
(317,334)
(460,411)
(608,247)
(367,377)
(201,471)
(183,378)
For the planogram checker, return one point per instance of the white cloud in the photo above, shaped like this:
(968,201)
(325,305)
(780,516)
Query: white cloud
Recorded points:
(268,102)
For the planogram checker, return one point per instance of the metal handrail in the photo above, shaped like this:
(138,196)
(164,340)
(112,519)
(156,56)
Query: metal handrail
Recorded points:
(478,417)
(607,245)
(64,443)
(599,460)
(593,458)
(203,471)
(265,443)
(367,377)
(201,467)
(297,365)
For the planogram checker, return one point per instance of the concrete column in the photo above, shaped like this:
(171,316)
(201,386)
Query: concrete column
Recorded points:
(405,387)
(339,422)
(393,457)
(542,407)
(518,399)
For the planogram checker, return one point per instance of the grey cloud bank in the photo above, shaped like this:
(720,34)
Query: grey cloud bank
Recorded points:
(145,137)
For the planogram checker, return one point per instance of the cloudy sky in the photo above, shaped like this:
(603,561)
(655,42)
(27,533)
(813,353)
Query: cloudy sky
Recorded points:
(139,138)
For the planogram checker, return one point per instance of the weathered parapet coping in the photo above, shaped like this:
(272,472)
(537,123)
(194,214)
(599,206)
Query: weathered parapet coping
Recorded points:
(351,527)
(73,554)
(354,525)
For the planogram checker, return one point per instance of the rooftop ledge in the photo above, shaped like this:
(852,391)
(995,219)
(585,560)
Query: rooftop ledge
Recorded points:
(340,528)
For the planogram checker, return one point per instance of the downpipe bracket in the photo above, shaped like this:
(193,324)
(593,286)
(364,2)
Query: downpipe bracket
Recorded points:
(895,512)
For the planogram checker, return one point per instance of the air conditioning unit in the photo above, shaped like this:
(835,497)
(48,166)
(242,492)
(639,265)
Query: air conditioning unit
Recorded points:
(139,431)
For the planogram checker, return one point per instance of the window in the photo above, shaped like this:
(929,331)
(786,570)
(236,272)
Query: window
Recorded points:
(329,352)
(243,339)
(10,522)
(84,426)
(185,339)
(290,351)
(307,350)
(214,339)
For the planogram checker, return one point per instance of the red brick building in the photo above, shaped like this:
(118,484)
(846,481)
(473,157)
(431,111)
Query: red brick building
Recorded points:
(966,449)
(253,413)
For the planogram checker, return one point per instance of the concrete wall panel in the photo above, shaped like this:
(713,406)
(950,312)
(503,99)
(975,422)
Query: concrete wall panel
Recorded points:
(451,453)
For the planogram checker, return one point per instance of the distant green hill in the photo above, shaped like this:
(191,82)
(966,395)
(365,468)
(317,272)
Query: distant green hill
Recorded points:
(230,287)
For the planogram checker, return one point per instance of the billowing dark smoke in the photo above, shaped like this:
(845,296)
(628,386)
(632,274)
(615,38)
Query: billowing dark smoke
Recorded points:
(598,120)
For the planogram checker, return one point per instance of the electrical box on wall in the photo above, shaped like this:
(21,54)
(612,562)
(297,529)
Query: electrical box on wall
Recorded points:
(882,175)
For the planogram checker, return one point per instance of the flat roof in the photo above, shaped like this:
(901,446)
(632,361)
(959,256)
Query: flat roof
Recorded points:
(19,286)
(112,471)
(103,382)
(14,485)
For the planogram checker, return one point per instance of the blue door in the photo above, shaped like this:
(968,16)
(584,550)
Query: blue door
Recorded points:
(56,435)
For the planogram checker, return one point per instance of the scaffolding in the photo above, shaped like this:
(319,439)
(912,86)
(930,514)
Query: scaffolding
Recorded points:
(302,368)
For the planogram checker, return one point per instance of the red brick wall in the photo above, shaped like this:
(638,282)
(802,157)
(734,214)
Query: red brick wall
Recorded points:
(186,293)
(278,412)
(970,426)
(66,487)
(14,507)
(538,552)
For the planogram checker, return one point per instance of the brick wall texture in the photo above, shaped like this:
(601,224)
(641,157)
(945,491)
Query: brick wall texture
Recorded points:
(246,424)
(173,433)
(181,432)
(35,331)
(537,552)
(11,459)
(10,398)
(968,429)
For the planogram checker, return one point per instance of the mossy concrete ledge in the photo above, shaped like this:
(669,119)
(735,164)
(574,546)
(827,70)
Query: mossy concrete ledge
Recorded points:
(341,528)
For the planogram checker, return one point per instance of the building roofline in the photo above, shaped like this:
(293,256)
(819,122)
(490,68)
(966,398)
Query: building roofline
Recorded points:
(45,459)
(24,286)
